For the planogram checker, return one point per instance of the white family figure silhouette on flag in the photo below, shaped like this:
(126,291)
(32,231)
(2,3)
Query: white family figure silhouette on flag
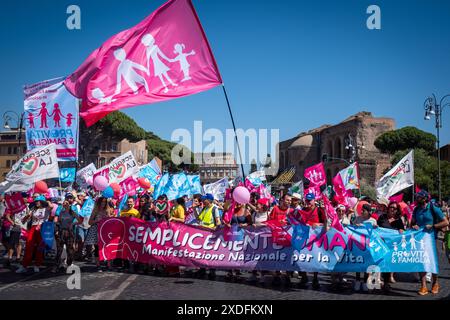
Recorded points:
(412,242)
(127,69)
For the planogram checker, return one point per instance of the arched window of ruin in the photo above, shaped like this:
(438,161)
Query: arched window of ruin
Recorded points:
(338,147)
(330,149)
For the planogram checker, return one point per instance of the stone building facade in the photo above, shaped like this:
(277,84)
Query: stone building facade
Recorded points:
(351,139)
(110,149)
(11,150)
(213,167)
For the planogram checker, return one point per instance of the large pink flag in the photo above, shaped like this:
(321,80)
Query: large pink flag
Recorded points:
(316,174)
(166,56)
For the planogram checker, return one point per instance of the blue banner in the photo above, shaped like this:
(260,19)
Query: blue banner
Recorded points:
(359,248)
(67,174)
(87,208)
(48,234)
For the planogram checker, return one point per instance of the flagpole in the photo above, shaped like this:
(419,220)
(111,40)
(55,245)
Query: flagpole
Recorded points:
(235,134)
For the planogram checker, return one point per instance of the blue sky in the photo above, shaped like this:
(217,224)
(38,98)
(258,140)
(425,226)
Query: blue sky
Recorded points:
(290,65)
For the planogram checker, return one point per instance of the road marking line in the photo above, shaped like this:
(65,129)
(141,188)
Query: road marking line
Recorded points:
(21,280)
(111,294)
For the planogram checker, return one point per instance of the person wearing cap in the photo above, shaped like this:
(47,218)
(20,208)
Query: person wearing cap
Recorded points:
(209,216)
(65,220)
(430,218)
(313,216)
(295,201)
(79,229)
(40,212)
(342,214)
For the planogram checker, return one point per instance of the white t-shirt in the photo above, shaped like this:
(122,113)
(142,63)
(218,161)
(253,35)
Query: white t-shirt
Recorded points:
(39,216)
(18,217)
(259,218)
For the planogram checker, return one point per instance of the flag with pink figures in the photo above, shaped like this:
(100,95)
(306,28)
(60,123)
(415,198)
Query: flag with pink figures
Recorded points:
(165,56)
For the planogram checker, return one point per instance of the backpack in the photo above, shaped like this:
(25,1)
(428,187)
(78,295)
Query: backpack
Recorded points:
(435,218)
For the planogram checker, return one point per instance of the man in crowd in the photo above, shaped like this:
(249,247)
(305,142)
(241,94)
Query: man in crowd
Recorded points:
(130,210)
(431,218)
(209,216)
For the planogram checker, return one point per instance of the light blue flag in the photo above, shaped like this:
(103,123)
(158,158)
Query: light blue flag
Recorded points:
(149,172)
(87,208)
(160,186)
(178,186)
(122,203)
(67,174)
(154,165)
(195,184)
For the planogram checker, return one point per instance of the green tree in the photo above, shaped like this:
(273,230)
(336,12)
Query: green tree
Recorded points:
(404,139)
(367,190)
(426,171)
(119,126)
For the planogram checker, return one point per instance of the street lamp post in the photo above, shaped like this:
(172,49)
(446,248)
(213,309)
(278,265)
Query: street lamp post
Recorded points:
(433,108)
(8,116)
(350,145)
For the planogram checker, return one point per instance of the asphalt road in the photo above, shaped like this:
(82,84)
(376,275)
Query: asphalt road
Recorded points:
(114,285)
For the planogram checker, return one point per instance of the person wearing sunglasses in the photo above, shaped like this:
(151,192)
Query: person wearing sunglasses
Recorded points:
(391,220)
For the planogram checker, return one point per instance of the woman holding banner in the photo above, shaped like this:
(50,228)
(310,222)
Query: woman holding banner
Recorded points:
(40,212)
(391,220)
(241,218)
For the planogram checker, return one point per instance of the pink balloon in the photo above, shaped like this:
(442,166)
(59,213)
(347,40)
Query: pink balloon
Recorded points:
(132,193)
(90,181)
(241,195)
(101,183)
(352,202)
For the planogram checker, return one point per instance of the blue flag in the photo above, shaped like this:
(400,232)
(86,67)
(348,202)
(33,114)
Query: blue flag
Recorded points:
(195,185)
(177,186)
(67,174)
(160,186)
(148,171)
(122,203)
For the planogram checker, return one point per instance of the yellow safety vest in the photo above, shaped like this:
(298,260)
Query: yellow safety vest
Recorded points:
(206,217)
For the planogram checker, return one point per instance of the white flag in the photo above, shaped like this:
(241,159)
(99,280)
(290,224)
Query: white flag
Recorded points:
(297,188)
(37,164)
(84,174)
(217,189)
(350,176)
(122,167)
(398,178)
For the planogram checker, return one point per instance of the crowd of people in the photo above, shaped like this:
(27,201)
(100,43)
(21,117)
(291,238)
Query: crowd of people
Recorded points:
(77,236)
